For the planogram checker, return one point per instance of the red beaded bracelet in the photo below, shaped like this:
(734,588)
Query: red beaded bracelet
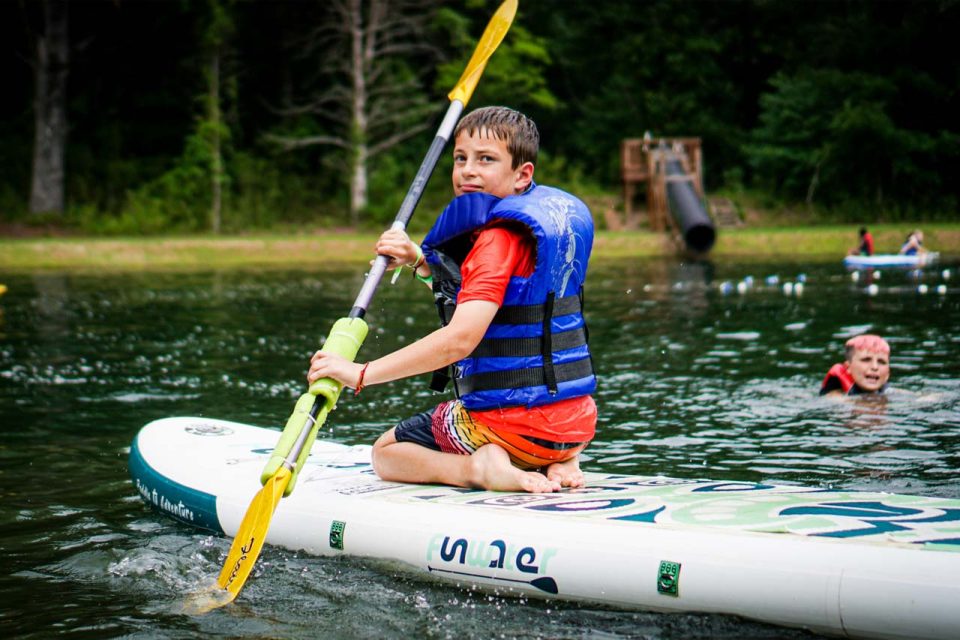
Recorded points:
(363,372)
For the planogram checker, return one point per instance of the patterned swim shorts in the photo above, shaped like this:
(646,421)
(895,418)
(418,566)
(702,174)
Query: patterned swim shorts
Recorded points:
(450,428)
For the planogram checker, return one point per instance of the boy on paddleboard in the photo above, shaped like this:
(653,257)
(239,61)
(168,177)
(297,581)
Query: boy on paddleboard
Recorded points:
(507,260)
(865,369)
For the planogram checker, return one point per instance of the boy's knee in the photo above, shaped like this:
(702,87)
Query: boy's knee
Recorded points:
(386,438)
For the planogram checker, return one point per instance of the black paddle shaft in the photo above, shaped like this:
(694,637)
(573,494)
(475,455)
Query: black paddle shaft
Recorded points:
(407,207)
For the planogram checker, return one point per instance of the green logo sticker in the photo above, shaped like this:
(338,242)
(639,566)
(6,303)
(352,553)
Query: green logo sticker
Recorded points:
(668,578)
(336,534)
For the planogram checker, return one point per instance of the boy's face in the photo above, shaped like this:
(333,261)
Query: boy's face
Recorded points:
(870,369)
(482,163)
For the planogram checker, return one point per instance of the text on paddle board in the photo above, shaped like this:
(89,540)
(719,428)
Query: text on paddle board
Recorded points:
(178,510)
(496,554)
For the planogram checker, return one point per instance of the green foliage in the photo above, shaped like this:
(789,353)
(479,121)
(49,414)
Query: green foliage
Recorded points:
(517,70)
(13,203)
(392,173)
(220,23)
(628,68)
(387,186)
(830,136)
(177,200)
(847,108)
(267,193)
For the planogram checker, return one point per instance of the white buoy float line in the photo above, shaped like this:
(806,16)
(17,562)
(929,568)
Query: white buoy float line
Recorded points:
(873,289)
(772,282)
(796,287)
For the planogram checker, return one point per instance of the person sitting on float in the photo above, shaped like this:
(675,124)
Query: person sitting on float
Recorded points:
(865,248)
(865,370)
(913,245)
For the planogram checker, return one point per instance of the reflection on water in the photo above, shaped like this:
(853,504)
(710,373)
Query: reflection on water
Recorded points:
(707,371)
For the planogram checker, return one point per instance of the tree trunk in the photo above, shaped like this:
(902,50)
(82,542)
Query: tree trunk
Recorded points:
(814,182)
(368,106)
(214,116)
(358,143)
(50,110)
(358,184)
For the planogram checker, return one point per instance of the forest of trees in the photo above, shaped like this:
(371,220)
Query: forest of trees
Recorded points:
(128,116)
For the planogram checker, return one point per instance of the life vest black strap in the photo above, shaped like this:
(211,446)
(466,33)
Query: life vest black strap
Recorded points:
(440,379)
(535,313)
(526,347)
(546,345)
(586,331)
(519,378)
(526,313)
(445,309)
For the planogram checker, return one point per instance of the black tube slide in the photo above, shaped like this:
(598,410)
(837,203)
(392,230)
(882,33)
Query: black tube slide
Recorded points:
(688,212)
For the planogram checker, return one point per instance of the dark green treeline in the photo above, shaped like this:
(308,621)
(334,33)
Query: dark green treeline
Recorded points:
(849,107)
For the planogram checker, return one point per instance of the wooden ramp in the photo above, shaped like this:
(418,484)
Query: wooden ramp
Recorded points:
(725,213)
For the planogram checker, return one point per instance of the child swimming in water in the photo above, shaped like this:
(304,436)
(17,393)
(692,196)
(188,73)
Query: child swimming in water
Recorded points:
(865,370)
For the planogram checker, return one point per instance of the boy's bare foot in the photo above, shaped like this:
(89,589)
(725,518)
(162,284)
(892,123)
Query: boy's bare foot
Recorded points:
(492,470)
(566,473)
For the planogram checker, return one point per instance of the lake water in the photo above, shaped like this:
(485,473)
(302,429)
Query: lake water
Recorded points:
(698,380)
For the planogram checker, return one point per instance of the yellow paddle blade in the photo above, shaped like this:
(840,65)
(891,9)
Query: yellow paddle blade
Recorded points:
(492,37)
(244,551)
(207,598)
(252,532)
(246,546)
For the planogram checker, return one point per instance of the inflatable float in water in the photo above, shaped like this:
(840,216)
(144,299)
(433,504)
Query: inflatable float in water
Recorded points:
(890,260)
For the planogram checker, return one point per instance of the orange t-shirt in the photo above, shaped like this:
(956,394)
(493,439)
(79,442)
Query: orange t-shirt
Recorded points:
(503,250)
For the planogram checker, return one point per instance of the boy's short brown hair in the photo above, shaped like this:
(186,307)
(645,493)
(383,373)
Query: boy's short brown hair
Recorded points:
(503,123)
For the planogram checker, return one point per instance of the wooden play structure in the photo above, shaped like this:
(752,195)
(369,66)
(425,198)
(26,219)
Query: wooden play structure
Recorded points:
(643,163)
(668,173)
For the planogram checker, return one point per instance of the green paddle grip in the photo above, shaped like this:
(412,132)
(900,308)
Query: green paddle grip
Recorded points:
(344,340)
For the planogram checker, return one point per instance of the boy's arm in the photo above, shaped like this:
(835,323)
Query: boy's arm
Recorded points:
(398,245)
(402,251)
(497,254)
(443,347)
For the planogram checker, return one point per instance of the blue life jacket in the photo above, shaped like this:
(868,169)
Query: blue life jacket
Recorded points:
(912,251)
(535,350)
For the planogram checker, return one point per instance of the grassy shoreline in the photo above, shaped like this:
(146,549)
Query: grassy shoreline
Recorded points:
(824,243)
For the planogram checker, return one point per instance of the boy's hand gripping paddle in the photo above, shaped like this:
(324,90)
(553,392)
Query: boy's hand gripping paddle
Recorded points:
(345,338)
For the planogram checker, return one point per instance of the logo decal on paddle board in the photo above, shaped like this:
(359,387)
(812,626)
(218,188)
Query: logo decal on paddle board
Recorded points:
(336,534)
(527,564)
(208,429)
(668,578)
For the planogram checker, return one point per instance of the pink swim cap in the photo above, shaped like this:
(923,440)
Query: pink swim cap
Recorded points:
(868,342)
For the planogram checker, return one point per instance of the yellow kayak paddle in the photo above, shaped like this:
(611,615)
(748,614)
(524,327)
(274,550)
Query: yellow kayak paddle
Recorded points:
(345,338)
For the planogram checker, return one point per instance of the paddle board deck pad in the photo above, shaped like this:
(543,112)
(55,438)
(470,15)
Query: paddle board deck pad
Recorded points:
(838,562)
(890,260)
